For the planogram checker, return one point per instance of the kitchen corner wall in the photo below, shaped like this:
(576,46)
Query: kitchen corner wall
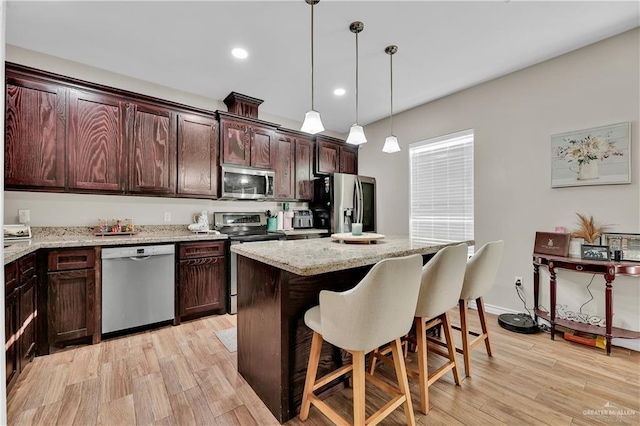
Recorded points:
(513,118)
(48,209)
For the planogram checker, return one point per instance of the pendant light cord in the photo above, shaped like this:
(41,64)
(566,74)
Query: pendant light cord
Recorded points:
(357,78)
(391,67)
(312,97)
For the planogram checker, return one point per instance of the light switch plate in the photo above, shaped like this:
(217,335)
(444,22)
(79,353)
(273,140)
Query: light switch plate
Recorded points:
(167,216)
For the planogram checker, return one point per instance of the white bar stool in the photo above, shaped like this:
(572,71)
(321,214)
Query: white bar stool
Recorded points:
(375,312)
(480,276)
(442,279)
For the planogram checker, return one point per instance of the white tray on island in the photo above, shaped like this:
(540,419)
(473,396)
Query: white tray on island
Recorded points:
(365,238)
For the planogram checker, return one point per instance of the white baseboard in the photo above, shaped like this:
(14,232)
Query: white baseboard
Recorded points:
(633,344)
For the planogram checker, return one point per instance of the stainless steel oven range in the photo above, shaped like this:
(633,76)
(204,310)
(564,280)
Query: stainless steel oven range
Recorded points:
(242,228)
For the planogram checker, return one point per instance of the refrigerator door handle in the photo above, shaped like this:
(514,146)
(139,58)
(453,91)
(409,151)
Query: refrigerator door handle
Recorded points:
(359,200)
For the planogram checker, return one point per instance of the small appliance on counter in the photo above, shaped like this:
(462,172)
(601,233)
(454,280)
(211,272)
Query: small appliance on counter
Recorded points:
(302,219)
(17,232)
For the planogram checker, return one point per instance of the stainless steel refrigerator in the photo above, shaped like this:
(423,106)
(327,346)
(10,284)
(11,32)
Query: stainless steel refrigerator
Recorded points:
(342,199)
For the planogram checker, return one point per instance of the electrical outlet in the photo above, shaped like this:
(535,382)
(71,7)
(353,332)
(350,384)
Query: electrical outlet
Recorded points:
(23,216)
(167,216)
(518,281)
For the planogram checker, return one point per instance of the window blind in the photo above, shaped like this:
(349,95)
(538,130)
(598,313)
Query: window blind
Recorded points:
(441,171)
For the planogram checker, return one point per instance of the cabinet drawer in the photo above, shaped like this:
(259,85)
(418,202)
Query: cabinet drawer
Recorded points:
(65,260)
(10,277)
(203,249)
(27,267)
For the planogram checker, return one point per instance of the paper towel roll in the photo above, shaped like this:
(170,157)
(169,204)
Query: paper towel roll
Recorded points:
(280,221)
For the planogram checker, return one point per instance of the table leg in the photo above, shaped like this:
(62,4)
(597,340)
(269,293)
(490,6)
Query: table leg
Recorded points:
(536,290)
(609,311)
(552,297)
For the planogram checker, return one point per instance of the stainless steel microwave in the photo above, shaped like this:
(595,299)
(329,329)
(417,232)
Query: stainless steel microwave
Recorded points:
(244,183)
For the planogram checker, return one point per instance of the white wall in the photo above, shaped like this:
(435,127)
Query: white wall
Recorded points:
(513,118)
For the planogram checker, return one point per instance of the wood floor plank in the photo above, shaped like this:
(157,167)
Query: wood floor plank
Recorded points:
(197,355)
(85,364)
(47,414)
(87,412)
(200,407)
(237,417)
(150,398)
(165,343)
(220,395)
(70,404)
(119,411)
(182,411)
(60,379)
(115,380)
(26,418)
(176,374)
(143,360)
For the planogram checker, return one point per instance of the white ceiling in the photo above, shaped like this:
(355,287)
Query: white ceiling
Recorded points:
(443,47)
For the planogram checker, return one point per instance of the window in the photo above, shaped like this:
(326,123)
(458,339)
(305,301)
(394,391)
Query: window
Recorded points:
(441,172)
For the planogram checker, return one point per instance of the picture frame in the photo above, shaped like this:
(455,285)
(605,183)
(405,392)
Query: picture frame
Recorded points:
(594,156)
(629,244)
(592,252)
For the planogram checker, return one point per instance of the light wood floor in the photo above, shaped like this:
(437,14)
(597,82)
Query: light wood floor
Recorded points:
(183,375)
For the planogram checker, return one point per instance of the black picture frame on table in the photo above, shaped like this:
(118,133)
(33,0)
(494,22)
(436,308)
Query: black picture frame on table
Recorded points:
(592,252)
(628,244)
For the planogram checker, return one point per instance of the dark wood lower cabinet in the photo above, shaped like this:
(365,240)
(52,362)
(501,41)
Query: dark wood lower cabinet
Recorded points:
(202,279)
(20,315)
(70,306)
(11,330)
(71,296)
(28,317)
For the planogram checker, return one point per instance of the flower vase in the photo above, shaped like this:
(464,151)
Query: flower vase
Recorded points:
(588,171)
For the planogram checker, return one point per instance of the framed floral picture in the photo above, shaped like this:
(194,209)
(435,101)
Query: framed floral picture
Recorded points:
(596,156)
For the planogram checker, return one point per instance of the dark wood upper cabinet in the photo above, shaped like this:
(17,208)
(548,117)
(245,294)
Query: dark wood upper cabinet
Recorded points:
(284,167)
(335,156)
(235,142)
(303,169)
(96,142)
(246,142)
(349,159)
(262,150)
(34,133)
(198,163)
(152,145)
(327,156)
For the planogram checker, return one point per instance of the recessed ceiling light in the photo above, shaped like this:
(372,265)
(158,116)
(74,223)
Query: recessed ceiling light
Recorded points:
(339,92)
(239,53)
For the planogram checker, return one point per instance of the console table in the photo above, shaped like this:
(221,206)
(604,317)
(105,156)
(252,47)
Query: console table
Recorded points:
(609,269)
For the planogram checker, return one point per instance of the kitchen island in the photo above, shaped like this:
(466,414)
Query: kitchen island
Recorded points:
(277,282)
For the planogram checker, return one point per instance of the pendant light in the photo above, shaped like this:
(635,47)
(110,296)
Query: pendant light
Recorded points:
(391,143)
(356,134)
(312,122)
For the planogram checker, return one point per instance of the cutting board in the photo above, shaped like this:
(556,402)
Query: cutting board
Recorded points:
(365,238)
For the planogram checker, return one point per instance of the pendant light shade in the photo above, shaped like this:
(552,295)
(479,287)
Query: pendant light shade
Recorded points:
(356,134)
(391,143)
(312,122)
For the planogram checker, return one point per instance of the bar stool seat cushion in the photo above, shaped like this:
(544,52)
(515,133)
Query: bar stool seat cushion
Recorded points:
(312,319)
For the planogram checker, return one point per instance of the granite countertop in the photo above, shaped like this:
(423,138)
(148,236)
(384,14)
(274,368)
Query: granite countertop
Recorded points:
(318,256)
(82,236)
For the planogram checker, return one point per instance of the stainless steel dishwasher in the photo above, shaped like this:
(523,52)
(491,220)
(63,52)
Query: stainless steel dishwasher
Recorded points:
(137,286)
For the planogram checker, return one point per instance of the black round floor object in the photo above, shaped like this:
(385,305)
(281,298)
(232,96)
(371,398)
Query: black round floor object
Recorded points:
(519,323)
